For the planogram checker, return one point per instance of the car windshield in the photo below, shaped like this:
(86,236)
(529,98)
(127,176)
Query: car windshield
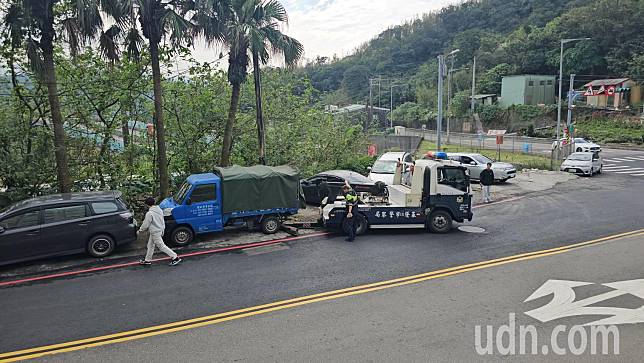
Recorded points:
(181,194)
(384,167)
(579,157)
(482,159)
(579,140)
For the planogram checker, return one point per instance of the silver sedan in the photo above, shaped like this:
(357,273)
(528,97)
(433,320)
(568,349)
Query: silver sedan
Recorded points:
(475,163)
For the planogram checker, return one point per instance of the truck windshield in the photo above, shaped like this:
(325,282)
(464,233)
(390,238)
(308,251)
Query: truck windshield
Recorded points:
(384,167)
(454,177)
(180,196)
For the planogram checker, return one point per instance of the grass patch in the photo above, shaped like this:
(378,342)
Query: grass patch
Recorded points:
(612,131)
(519,160)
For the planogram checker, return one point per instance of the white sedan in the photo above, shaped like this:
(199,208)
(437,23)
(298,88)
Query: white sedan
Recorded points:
(583,163)
(580,144)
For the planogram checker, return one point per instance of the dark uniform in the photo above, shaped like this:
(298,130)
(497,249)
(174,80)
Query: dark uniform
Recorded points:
(351,201)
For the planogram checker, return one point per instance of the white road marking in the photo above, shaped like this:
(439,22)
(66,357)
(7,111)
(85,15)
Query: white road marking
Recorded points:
(635,158)
(630,171)
(613,161)
(616,167)
(564,302)
(637,174)
(618,159)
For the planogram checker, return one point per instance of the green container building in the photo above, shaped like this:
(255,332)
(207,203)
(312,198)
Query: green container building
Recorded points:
(528,90)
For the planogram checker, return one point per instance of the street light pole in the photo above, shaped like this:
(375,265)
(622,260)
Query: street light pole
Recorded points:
(472,104)
(449,95)
(391,105)
(563,41)
(439,118)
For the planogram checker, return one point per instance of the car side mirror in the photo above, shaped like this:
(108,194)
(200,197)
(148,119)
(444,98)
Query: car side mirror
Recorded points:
(369,168)
(188,201)
(1,230)
(472,162)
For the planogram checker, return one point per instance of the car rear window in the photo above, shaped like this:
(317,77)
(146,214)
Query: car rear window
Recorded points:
(104,207)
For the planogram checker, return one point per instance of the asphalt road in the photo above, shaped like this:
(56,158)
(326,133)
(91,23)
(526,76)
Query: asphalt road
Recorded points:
(132,298)
(431,320)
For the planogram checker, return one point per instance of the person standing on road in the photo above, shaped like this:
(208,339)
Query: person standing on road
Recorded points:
(487,179)
(155,224)
(351,201)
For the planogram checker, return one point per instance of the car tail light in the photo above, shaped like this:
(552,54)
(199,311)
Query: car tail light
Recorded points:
(128,216)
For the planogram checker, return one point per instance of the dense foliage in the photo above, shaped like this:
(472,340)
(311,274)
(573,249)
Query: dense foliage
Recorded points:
(102,104)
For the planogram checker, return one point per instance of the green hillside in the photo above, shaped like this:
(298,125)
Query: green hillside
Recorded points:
(507,37)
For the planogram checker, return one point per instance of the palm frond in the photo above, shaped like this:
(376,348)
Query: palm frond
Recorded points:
(88,18)
(275,11)
(178,27)
(71,33)
(108,43)
(133,43)
(34,57)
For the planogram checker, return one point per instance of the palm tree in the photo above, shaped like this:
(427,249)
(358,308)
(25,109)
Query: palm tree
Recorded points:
(266,38)
(156,19)
(246,27)
(30,24)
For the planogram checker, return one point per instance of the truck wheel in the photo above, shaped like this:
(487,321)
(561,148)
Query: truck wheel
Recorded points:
(270,224)
(181,236)
(362,226)
(439,221)
(100,246)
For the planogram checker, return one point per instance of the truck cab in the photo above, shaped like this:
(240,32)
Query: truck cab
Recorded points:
(438,195)
(194,209)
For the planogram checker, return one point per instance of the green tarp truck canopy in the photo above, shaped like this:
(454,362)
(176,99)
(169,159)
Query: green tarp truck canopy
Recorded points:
(259,187)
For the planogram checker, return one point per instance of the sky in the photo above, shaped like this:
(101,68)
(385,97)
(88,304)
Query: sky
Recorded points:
(337,27)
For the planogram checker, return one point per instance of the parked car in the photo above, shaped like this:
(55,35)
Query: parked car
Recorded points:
(321,185)
(385,167)
(63,224)
(580,144)
(583,163)
(475,163)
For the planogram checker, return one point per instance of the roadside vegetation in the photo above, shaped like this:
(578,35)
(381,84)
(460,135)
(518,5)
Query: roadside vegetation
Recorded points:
(605,130)
(518,159)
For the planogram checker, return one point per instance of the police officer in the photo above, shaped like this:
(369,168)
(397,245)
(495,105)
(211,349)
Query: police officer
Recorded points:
(351,202)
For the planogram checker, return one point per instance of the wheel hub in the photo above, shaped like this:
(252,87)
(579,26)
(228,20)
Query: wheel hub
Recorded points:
(182,237)
(101,245)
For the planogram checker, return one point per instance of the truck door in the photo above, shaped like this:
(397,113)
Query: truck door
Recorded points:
(204,208)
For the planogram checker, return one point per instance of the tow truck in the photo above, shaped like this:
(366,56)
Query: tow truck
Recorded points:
(439,194)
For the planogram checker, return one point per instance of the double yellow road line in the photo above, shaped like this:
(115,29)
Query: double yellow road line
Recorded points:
(287,304)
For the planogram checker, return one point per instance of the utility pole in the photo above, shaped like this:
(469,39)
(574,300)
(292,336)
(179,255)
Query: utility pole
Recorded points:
(369,107)
(439,119)
(379,92)
(391,105)
(570,100)
(449,95)
(472,103)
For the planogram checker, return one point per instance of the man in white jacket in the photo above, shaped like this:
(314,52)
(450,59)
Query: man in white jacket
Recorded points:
(155,224)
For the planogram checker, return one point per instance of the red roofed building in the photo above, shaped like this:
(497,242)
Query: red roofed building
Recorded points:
(612,93)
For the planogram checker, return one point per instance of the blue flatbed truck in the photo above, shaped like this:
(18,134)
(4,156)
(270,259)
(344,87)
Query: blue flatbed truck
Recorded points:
(439,194)
(252,196)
